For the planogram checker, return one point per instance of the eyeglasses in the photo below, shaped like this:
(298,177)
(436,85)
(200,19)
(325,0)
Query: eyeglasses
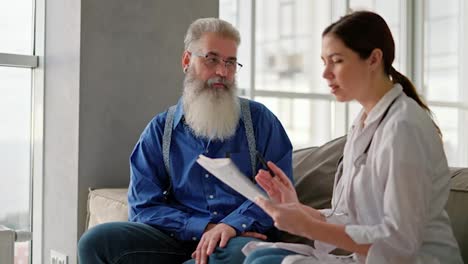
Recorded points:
(212,61)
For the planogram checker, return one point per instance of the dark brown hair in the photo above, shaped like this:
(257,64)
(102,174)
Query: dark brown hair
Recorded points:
(364,31)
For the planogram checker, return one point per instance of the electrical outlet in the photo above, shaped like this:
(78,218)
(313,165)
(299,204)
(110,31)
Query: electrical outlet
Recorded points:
(58,258)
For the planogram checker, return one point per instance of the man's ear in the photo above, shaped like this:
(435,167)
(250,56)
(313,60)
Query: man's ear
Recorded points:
(375,59)
(185,61)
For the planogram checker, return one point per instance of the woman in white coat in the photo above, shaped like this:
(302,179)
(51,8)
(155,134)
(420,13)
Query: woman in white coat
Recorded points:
(393,182)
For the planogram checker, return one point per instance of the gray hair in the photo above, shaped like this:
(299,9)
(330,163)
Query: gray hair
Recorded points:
(212,25)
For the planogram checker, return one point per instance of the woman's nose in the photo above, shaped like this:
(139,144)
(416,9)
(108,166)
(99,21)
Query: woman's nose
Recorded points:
(327,74)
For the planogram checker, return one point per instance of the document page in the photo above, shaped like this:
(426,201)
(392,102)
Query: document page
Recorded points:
(225,170)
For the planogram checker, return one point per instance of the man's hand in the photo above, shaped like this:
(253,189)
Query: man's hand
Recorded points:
(214,234)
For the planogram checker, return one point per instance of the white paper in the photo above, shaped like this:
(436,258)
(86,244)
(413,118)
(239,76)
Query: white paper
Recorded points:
(225,170)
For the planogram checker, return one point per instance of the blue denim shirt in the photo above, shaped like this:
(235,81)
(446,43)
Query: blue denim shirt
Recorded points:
(197,197)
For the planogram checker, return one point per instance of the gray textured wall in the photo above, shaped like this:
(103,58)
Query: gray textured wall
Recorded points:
(111,65)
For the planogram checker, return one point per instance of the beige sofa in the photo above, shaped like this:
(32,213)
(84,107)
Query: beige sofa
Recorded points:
(314,169)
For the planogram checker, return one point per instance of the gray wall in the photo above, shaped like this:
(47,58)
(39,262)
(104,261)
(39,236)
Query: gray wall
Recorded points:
(110,66)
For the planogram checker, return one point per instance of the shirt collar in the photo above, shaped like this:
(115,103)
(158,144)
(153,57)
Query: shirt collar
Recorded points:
(379,109)
(384,102)
(179,113)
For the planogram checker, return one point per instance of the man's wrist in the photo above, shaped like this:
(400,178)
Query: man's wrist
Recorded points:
(209,226)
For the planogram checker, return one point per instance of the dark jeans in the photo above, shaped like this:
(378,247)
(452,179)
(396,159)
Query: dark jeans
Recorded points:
(127,242)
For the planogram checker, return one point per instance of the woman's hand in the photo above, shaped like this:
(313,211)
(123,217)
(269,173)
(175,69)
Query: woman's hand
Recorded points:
(293,218)
(314,213)
(298,219)
(279,188)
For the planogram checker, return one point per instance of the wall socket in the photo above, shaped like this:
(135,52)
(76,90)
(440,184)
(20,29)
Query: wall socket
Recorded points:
(58,258)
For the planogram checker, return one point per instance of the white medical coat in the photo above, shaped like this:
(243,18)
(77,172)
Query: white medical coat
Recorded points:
(394,199)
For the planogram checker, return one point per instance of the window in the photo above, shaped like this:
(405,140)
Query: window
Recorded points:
(18,96)
(281,52)
(442,79)
(16,26)
(15,138)
(283,67)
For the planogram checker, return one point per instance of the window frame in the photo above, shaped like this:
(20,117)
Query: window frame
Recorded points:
(18,61)
(37,143)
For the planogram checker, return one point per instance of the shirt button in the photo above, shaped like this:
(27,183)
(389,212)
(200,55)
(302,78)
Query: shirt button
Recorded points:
(207,175)
(244,225)
(215,213)
(211,196)
(194,238)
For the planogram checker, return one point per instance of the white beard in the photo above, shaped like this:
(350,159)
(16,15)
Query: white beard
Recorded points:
(211,113)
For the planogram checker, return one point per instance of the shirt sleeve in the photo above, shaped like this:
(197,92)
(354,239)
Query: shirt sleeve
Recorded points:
(148,180)
(404,165)
(273,142)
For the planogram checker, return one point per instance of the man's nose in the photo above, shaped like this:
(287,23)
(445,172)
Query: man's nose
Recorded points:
(221,69)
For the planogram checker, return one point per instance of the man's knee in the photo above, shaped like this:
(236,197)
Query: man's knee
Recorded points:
(95,240)
(87,246)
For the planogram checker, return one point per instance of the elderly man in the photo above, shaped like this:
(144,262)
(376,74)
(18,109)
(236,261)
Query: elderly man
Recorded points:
(178,211)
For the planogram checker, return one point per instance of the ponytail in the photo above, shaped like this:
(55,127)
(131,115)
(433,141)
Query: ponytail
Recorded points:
(410,91)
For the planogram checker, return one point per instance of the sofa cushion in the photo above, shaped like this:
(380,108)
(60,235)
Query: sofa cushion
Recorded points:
(314,171)
(456,208)
(106,205)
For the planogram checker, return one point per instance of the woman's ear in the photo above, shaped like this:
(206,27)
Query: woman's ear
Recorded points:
(376,59)
(185,61)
